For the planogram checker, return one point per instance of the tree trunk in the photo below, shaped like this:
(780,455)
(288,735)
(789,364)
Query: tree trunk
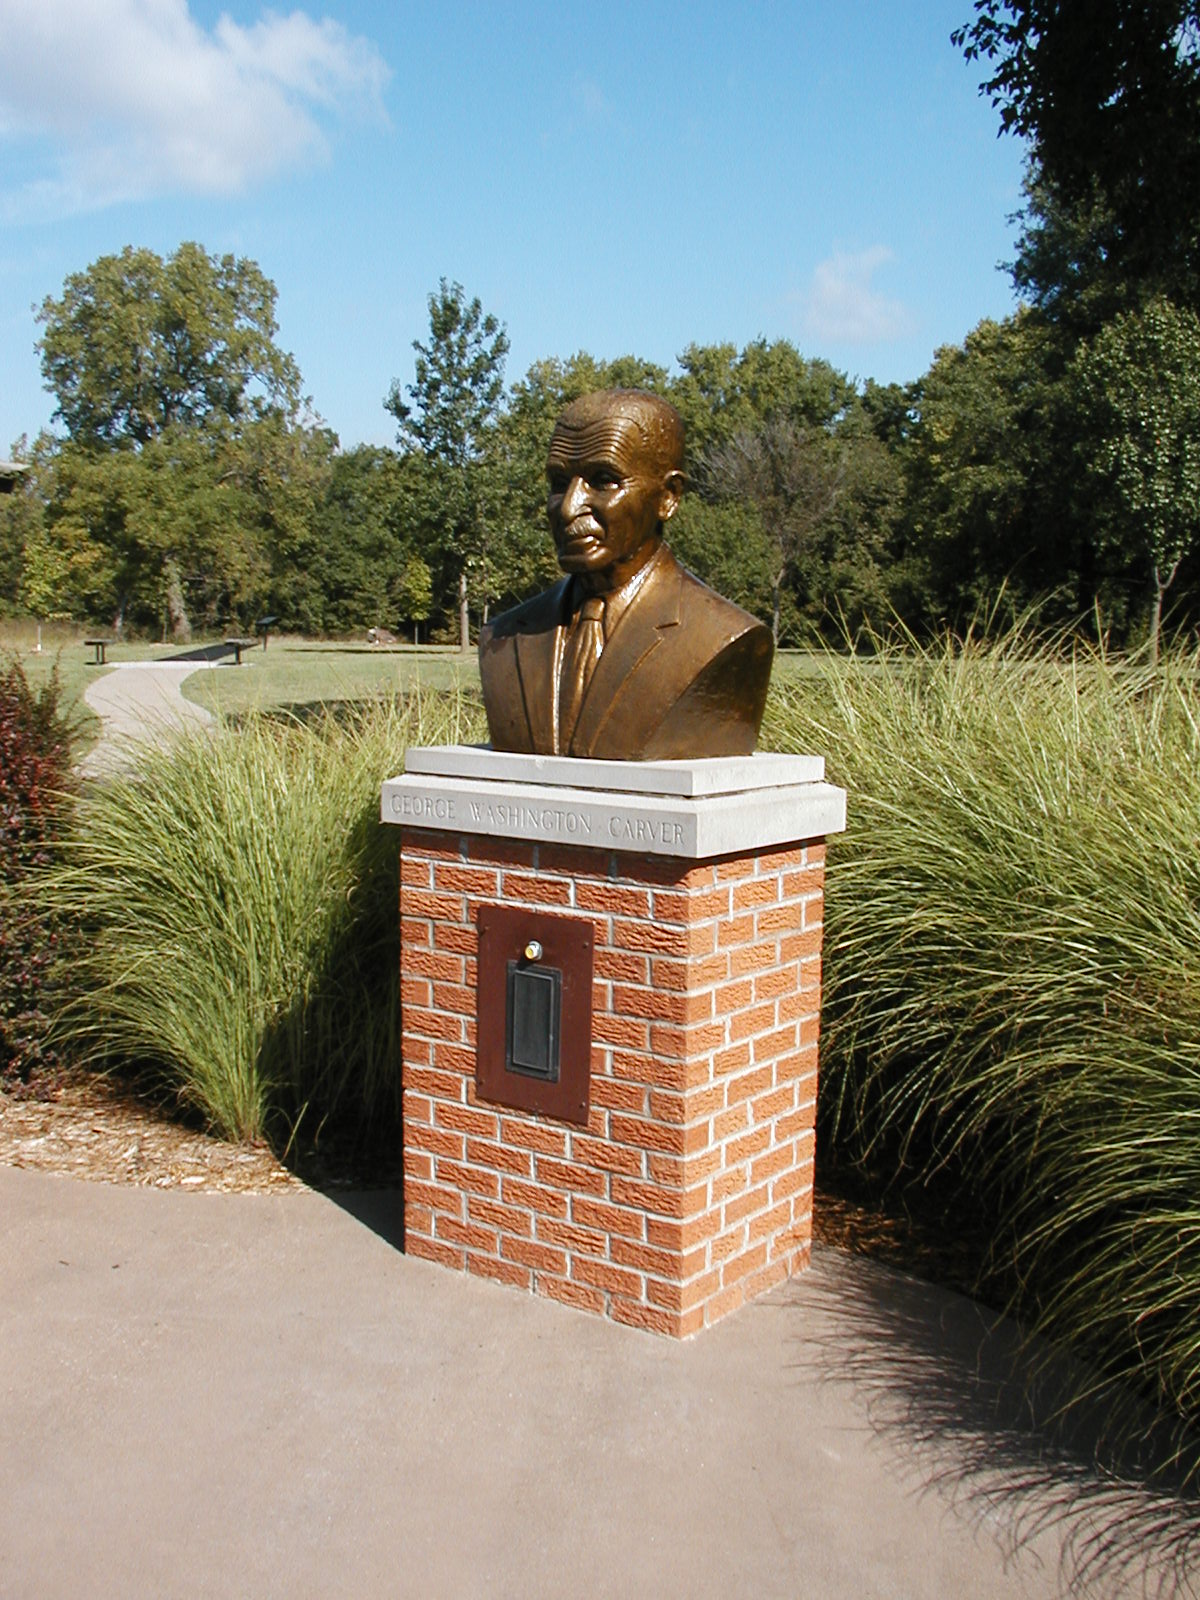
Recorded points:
(464,621)
(177,617)
(1156,617)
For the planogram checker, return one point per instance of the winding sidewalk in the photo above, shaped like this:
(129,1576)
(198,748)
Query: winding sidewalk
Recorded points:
(228,1395)
(139,702)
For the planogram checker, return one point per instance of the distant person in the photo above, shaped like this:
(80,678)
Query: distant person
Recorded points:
(627,657)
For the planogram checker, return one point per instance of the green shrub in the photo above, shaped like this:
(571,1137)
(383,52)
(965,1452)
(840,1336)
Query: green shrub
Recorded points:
(237,901)
(1013,970)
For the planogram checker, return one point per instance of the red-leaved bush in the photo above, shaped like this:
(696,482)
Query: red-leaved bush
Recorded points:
(35,783)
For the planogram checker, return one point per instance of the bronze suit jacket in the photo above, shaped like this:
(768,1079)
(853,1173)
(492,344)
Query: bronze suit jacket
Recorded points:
(683,673)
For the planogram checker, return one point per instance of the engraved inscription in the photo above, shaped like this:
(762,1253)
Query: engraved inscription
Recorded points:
(553,820)
(422,807)
(645,830)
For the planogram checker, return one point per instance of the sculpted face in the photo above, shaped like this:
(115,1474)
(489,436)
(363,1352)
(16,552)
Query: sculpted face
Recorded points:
(610,489)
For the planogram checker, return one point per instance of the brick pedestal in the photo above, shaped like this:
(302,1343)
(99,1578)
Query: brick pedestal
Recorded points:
(689,1190)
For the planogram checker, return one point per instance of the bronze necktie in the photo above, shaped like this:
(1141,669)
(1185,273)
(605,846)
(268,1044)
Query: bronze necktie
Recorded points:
(580,655)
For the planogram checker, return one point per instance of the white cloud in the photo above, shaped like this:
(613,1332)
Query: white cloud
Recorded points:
(840,304)
(135,99)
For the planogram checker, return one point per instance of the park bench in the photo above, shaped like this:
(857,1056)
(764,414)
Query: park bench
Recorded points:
(237,646)
(99,646)
(264,626)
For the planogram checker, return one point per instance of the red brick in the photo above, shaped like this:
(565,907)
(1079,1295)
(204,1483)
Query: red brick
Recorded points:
(418,1164)
(739,1267)
(702,905)
(471,1180)
(659,1198)
(468,1234)
(494,1214)
(754,957)
(698,1038)
(728,1244)
(634,1314)
(418,1220)
(660,1004)
(602,1275)
(571,1236)
(472,1120)
(418,1110)
(733,996)
(722,1304)
(771,1163)
(612,1094)
(533,1135)
(621,965)
(783,981)
(604,1155)
(501,852)
(455,997)
(652,937)
(441,1085)
(680,1235)
(431,1250)
(734,1120)
(787,919)
(451,1056)
(442,1142)
(770,861)
(758,892)
(774,1103)
(433,1024)
(428,903)
(541,1257)
(415,992)
(510,1272)
(416,933)
(415,873)
(735,931)
(795,1179)
(593,1213)
(613,898)
(434,964)
(623,1031)
(489,1153)
(765,1278)
(433,842)
(644,1069)
(663,1264)
(454,878)
(456,937)
(745,1085)
(533,1197)
(755,1019)
(540,891)
(770,1222)
(571,1294)
(748,1145)
(643,1134)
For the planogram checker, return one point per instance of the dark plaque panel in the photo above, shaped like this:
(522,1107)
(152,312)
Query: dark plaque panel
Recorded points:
(534,1011)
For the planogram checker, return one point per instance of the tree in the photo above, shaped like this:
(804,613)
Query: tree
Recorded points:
(137,345)
(1108,95)
(792,475)
(186,464)
(1140,381)
(455,397)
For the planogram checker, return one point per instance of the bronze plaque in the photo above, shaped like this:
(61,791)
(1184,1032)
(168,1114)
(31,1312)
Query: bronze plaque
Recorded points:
(534,1011)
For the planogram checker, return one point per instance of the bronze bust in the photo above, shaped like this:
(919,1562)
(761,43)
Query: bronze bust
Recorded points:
(627,657)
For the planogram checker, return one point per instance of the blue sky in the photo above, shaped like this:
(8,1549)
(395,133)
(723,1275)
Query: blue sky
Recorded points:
(616,178)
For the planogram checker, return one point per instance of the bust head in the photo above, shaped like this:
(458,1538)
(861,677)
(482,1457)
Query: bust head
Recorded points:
(615,475)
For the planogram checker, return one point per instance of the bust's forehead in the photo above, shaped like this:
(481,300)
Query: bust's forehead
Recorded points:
(637,427)
(616,439)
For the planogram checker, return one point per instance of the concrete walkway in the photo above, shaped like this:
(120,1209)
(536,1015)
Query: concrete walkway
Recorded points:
(139,702)
(230,1395)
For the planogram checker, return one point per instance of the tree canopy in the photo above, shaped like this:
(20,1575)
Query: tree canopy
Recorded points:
(136,345)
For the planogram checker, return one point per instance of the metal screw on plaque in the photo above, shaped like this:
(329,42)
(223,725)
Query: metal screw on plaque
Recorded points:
(533,951)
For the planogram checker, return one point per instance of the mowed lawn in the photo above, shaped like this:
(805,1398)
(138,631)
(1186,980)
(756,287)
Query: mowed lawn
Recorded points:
(293,673)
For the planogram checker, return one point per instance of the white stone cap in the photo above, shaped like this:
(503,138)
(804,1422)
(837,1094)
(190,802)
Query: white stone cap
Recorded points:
(581,808)
(712,775)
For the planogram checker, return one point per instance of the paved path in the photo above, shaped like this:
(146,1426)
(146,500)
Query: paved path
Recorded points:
(229,1395)
(139,701)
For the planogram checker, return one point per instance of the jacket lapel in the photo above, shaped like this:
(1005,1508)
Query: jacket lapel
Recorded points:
(537,658)
(653,610)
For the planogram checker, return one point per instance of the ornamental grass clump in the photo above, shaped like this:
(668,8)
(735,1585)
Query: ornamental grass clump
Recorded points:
(1013,970)
(236,904)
